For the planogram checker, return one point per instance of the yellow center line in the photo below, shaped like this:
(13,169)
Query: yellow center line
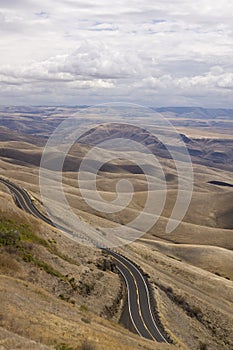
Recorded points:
(21,197)
(134,279)
(138,297)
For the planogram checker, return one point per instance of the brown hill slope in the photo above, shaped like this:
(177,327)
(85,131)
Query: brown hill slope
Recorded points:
(53,291)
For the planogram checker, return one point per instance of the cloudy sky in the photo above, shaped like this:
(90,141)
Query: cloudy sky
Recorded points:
(157,53)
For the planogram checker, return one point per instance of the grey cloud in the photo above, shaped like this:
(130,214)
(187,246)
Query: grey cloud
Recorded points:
(130,50)
(42,14)
(14,3)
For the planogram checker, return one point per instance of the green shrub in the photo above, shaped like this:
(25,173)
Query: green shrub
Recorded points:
(85,320)
(28,257)
(9,238)
(83,308)
(11,233)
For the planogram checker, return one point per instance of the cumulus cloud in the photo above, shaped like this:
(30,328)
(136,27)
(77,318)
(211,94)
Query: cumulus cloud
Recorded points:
(99,60)
(162,52)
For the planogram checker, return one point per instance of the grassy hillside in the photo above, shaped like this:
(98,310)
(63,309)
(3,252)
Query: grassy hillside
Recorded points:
(53,291)
(59,295)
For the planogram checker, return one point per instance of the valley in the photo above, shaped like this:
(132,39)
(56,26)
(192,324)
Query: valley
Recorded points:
(80,296)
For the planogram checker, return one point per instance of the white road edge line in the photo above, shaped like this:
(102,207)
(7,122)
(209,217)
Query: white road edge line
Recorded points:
(129,301)
(148,296)
(147,291)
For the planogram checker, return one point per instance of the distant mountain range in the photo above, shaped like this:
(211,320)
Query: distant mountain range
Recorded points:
(35,124)
(187,112)
(197,112)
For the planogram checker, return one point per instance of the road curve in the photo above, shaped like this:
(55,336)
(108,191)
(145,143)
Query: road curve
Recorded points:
(138,293)
(138,299)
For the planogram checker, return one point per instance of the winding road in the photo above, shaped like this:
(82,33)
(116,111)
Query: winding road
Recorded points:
(139,303)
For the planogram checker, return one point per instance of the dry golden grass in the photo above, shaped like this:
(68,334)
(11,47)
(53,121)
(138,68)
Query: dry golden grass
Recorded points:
(34,311)
(214,259)
(188,268)
(194,304)
(36,314)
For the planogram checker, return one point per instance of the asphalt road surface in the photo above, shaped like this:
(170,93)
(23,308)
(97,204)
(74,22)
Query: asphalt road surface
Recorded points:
(139,303)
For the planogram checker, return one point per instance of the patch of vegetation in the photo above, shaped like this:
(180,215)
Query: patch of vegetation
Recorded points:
(73,283)
(106,264)
(11,234)
(52,241)
(67,299)
(7,263)
(110,310)
(85,320)
(203,346)
(9,238)
(28,236)
(53,249)
(191,310)
(85,288)
(63,346)
(86,345)
(17,238)
(28,257)
(62,297)
(83,308)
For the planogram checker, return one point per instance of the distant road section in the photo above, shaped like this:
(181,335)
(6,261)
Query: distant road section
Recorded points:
(139,303)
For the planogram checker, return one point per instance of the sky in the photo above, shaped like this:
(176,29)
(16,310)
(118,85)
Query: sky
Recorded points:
(155,53)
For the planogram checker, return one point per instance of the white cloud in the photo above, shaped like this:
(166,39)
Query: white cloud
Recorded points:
(140,51)
(99,60)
